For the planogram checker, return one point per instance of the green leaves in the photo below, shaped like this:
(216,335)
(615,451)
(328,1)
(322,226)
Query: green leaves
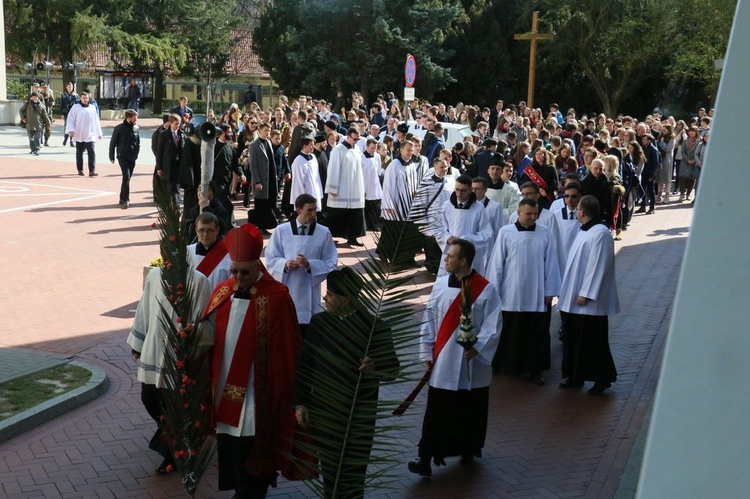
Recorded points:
(186,366)
(354,441)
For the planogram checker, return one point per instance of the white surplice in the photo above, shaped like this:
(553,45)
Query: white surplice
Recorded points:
(345,184)
(567,230)
(508,197)
(450,372)
(470,223)
(590,272)
(219,274)
(303,284)
(306,180)
(399,188)
(147,335)
(372,171)
(524,268)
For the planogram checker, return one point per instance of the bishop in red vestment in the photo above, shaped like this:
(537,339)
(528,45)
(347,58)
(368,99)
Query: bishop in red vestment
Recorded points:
(256,346)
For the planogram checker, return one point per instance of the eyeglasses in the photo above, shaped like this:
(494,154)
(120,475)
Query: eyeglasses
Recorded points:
(240,272)
(572,196)
(253,122)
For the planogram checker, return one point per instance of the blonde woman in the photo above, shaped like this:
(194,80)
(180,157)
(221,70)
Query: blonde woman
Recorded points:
(611,171)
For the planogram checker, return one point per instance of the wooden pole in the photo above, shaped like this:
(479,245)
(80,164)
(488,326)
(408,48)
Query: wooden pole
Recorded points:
(533,36)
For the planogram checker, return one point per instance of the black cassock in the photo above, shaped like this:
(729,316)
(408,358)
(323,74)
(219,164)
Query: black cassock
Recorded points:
(328,383)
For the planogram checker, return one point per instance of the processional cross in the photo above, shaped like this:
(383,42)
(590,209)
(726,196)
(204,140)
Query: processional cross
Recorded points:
(534,36)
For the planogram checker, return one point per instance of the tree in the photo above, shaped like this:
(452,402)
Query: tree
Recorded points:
(487,63)
(696,44)
(617,44)
(360,45)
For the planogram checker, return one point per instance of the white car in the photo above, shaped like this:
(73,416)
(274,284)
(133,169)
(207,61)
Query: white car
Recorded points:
(452,133)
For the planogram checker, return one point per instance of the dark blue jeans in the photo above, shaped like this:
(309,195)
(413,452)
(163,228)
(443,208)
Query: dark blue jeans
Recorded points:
(126,166)
(89,148)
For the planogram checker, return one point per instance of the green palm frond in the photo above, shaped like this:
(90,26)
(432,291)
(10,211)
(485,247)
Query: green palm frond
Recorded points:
(186,367)
(350,425)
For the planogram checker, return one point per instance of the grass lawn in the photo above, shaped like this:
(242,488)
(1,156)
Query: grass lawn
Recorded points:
(26,392)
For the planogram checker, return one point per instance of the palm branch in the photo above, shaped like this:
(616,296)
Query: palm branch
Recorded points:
(186,368)
(350,429)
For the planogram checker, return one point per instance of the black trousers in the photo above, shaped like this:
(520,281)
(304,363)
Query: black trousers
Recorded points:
(90,150)
(649,189)
(455,423)
(151,397)
(126,167)
(233,453)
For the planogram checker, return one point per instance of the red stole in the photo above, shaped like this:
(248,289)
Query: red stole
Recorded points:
(538,180)
(452,317)
(215,255)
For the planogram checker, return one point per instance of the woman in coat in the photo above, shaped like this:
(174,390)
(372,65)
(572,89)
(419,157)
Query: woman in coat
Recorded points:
(666,148)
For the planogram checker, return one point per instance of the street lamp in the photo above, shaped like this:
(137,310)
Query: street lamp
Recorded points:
(44,66)
(30,68)
(75,66)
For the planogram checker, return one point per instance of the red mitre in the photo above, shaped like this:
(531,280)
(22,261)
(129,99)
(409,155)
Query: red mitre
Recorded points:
(244,243)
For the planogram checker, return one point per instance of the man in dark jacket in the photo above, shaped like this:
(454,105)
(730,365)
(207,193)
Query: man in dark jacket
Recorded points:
(649,174)
(35,119)
(224,166)
(125,144)
(596,184)
(168,153)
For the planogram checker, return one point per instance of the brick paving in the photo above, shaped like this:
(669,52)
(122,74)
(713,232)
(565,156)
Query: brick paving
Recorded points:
(82,257)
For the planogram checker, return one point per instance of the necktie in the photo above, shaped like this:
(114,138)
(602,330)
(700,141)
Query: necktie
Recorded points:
(303,229)
(572,215)
(174,137)
(460,206)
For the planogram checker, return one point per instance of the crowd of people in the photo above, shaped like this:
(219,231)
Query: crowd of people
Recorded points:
(525,210)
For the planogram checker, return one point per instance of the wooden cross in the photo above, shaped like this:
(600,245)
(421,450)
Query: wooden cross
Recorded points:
(534,36)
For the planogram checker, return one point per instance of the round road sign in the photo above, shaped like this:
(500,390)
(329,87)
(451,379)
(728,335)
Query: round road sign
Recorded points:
(410,70)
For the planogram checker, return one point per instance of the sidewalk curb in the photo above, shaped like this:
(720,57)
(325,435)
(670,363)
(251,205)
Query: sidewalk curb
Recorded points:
(42,413)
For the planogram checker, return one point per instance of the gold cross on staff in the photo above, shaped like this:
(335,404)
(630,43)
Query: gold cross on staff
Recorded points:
(534,36)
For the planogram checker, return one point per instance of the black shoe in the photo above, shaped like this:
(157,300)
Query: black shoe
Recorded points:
(569,383)
(80,173)
(421,467)
(467,459)
(642,209)
(124,204)
(353,242)
(46,143)
(93,174)
(537,378)
(165,468)
(650,212)
(599,387)
(35,153)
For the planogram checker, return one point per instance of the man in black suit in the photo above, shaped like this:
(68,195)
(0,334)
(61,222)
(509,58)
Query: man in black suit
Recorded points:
(495,115)
(168,152)
(263,173)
